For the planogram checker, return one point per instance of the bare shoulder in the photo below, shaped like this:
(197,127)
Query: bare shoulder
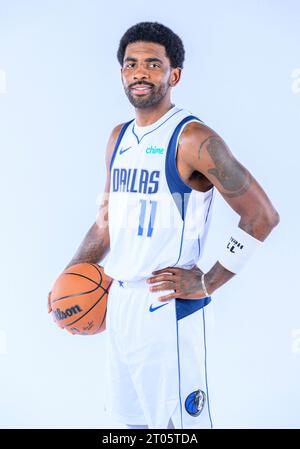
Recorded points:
(116,130)
(206,152)
(197,133)
(112,141)
(114,134)
(200,144)
(193,128)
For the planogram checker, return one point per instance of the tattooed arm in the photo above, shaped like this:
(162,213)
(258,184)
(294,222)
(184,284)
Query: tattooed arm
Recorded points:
(203,151)
(95,244)
(203,161)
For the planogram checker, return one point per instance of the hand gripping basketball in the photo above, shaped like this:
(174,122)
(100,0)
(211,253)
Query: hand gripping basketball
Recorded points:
(78,299)
(49,303)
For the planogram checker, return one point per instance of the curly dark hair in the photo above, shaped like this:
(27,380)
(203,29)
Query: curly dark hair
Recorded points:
(157,33)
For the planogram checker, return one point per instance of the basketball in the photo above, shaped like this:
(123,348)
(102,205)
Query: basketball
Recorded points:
(79,299)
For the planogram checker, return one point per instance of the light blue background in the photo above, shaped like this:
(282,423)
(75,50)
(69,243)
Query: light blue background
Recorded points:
(60,97)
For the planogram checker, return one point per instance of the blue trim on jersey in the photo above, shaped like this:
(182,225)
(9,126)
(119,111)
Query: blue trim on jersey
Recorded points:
(121,134)
(185,307)
(181,194)
(181,241)
(180,191)
(176,185)
(179,379)
(149,132)
(205,361)
(208,209)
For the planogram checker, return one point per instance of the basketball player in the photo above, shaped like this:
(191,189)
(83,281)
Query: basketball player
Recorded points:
(162,171)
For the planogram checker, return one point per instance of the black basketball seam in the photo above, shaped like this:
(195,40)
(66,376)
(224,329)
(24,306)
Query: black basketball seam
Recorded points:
(82,276)
(84,293)
(96,331)
(78,274)
(97,268)
(70,324)
(99,271)
(76,294)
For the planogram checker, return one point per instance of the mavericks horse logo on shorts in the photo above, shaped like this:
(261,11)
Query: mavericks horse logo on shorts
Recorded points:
(194,402)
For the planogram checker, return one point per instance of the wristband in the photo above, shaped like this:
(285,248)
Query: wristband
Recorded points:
(204,286)
(238,251)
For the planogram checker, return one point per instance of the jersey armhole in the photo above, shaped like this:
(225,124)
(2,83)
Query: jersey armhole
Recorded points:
(120,136)
(176,184)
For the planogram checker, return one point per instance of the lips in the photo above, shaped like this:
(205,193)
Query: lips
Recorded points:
(141,89)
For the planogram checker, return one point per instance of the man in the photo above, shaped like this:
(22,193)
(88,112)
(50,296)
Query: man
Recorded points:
(162,169)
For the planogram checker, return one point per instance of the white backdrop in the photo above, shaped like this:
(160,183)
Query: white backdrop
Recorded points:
(60,96)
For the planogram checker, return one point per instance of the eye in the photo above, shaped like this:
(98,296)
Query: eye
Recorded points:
(129,65)
(155,64)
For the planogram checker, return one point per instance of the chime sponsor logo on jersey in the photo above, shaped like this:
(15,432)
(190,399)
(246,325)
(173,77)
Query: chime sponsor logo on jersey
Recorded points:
(154,150)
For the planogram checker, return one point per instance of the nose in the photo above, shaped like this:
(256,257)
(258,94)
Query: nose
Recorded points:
(140,73)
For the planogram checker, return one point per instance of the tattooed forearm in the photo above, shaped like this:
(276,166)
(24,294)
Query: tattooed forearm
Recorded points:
(93,248)
(233,177)
(90,252)
(217,276)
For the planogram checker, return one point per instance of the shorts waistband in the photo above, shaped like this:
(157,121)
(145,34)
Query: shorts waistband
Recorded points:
(132,284)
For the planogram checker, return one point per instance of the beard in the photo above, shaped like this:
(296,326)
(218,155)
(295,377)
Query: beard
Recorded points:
(155,95)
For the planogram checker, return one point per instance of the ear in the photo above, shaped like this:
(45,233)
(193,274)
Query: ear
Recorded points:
(121,74)
(175,76)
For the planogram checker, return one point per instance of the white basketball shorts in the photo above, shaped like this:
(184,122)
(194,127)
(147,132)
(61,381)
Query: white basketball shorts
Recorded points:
(156,359)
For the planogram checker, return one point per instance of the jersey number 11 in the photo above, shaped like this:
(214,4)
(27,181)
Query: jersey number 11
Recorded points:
(153,205)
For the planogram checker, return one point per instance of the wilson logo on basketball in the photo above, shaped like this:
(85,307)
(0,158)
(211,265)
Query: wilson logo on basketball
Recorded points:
(62,315)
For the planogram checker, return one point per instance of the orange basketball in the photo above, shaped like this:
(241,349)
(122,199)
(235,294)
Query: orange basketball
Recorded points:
(79,298)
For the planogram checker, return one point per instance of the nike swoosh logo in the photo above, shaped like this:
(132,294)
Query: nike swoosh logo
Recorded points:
(122,150)
(152,309)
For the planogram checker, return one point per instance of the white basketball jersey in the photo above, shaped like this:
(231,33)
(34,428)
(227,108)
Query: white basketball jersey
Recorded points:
(155,219)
